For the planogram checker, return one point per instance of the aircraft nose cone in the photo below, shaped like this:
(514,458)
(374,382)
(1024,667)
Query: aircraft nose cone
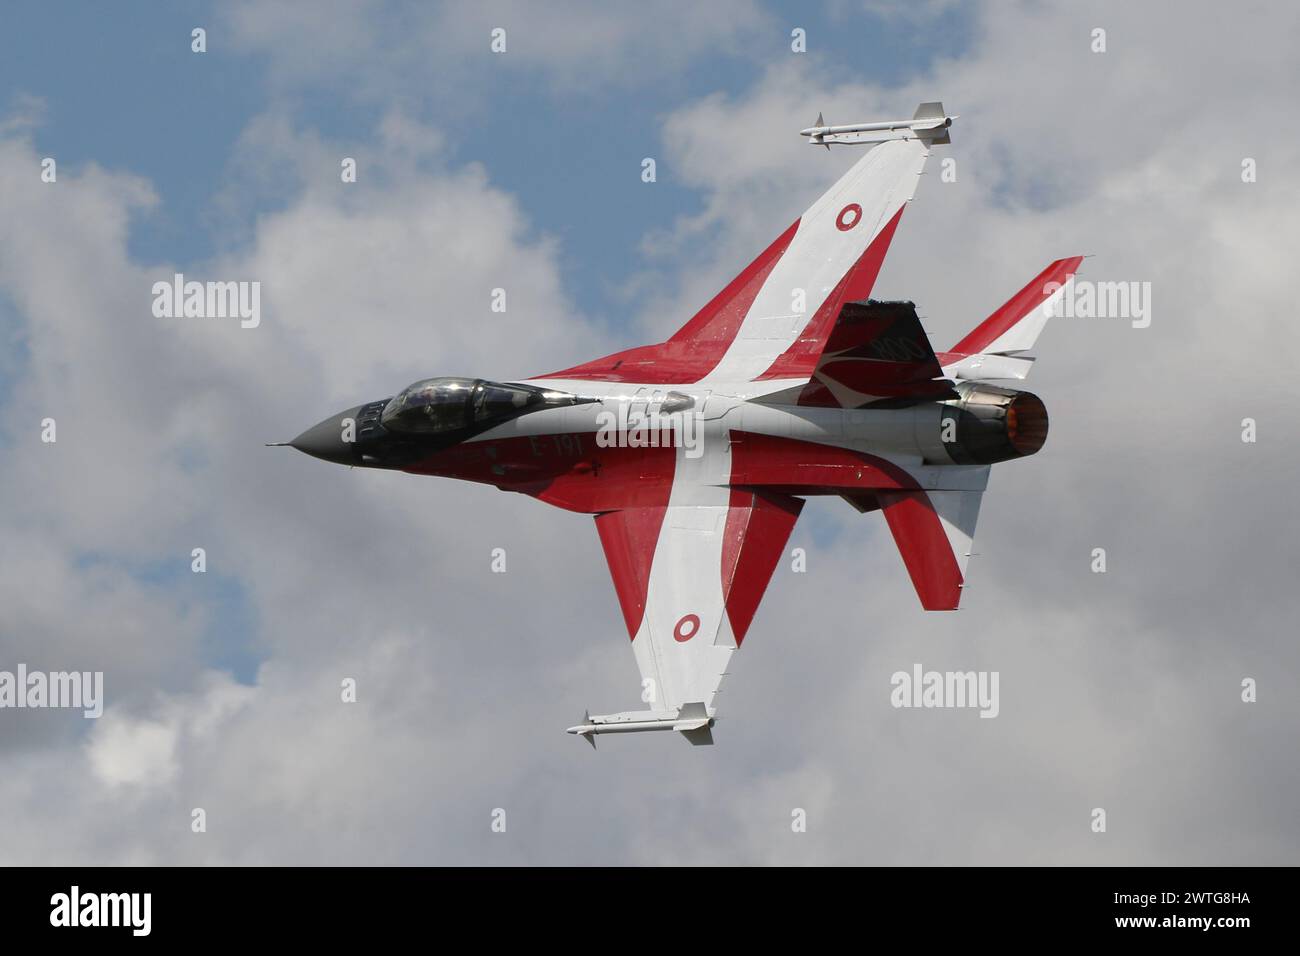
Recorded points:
(326,439)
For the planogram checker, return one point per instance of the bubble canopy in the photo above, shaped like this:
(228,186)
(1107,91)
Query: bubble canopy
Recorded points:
(438,405)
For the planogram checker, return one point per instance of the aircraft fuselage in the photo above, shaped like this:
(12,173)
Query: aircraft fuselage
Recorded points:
(604,445)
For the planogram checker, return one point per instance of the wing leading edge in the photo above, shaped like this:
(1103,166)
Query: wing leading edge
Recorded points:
(689,579)
(772,320)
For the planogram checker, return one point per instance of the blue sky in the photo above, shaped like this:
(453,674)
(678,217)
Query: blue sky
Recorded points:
(126,92)
(1120,689)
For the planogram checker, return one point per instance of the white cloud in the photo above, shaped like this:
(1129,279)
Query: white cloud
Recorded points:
(125,751)
(1118,690)
(443,51)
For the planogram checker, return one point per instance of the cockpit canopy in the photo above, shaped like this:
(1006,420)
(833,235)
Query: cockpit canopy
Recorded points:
(437,405)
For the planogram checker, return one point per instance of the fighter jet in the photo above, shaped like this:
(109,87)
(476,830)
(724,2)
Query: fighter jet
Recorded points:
(695,454)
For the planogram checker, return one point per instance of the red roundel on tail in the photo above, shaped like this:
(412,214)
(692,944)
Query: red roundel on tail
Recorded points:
(849,217)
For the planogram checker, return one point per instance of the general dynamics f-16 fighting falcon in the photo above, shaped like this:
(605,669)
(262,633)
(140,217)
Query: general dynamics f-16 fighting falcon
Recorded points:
(695,454)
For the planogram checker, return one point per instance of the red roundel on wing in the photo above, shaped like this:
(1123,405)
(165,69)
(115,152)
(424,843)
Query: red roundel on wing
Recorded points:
(680,632)
(849,217)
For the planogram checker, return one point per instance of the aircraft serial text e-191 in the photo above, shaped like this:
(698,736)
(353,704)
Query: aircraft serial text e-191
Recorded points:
(695,454)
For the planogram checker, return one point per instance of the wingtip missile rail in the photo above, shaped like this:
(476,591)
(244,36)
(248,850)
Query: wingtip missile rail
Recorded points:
(930,123)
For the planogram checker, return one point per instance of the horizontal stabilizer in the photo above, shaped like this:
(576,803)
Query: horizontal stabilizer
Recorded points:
(988,367)
(1016,325)
(934,531)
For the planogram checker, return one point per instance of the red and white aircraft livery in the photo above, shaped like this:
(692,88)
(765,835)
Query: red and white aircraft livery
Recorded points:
(695,454)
